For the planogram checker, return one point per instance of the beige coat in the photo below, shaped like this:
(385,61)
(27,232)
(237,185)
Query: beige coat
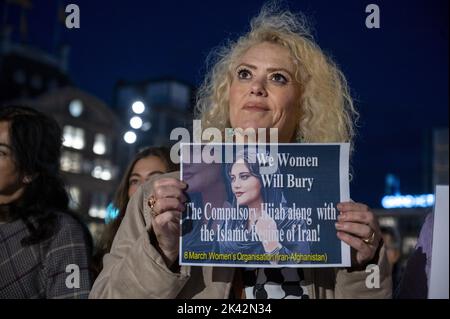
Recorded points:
(135,269)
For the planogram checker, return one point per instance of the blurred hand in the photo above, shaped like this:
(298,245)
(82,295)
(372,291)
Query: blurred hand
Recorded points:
(358,227)
(167,210)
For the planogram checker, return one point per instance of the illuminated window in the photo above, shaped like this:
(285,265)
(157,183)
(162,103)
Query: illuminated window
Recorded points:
(100,144)
(73,137)
(103,169)
(71,162)
(98,205)
(75,197)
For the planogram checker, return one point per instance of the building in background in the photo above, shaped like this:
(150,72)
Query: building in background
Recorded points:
(91,130)
(151,109)
(27,72)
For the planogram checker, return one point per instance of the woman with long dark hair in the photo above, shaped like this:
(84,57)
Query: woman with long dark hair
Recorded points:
(146,163)
(44,249)
(250,193)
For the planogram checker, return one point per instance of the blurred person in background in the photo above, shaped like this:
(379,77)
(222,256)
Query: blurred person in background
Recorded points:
(391,239)
(147,162)
(41,242)
(415,280)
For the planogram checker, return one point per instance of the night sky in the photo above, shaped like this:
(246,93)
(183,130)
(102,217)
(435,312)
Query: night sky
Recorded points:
(398,73)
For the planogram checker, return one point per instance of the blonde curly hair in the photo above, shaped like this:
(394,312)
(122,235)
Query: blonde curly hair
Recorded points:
(327,113)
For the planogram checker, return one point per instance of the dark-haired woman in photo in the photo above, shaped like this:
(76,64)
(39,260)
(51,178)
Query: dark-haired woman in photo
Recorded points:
(44,249)
(249,192)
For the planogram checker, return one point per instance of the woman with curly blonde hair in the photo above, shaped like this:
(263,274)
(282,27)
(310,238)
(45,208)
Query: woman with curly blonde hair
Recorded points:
(325,111)
(274,76)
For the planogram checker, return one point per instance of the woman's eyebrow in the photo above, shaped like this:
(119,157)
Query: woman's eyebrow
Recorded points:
(155,172)
(273,69)
(250,66)
(279,69)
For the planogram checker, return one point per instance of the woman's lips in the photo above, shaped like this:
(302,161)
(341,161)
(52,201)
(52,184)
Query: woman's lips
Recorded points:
(239,194)
(255,107)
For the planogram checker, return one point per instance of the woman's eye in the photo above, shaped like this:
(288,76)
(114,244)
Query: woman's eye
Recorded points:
(134,182)
(244,177)
(278,77)
(244,74)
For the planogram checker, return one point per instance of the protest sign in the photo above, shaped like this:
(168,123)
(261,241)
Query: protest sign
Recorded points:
(253,206)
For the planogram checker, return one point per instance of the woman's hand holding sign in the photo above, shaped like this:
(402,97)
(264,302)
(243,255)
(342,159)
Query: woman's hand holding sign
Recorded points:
(166,205)
(358,227)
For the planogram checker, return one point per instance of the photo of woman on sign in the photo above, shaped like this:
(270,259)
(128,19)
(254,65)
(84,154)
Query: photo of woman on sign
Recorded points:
(267,231)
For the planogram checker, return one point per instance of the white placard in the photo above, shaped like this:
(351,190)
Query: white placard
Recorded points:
(438,288)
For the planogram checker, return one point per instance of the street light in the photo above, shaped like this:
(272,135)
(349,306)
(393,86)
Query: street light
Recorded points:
(136,122)
(129,137)
(138,107)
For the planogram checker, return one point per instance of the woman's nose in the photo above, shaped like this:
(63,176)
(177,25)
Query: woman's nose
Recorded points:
(258,88)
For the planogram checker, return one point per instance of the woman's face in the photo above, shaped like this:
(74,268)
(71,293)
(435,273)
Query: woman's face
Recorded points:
(143,170)
(11,188)
(263,92)
(244,185)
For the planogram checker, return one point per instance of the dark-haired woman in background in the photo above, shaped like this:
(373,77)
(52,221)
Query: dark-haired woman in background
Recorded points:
(44,250)
(146,163)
